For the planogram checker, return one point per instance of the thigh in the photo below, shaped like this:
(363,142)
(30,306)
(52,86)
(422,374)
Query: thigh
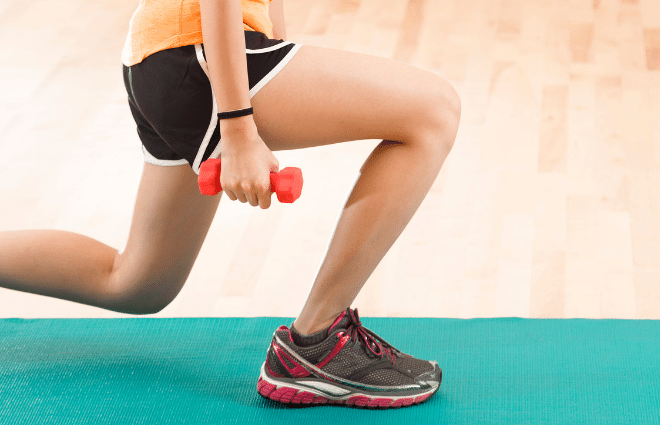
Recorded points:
(324,96)
(171,219)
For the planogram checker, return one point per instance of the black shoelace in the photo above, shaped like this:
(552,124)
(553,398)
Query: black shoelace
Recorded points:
(368,338)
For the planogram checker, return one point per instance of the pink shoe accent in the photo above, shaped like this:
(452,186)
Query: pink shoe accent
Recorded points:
(284,328)
(337,320)
(283,394)
(271,373)
(402,402)
(288,395)
(298,371)
(342,341)
(358,400)
(380,402)
(265,388)
(303,397)
(421,398)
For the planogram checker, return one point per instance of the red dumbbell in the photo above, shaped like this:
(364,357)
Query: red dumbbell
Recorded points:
(287,183)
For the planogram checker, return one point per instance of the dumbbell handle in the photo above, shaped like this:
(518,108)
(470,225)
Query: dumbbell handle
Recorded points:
(287,183)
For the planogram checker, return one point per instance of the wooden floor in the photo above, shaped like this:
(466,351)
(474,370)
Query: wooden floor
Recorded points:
(548,206)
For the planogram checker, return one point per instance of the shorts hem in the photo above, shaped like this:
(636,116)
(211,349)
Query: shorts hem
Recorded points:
(161,162)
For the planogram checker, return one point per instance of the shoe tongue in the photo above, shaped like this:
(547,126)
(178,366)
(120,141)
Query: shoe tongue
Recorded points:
(341,322)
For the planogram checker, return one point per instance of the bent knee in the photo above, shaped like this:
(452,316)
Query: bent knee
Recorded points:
(444,107)
(141,298)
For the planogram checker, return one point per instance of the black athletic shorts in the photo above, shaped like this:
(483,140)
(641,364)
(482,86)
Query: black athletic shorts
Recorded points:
(173,104)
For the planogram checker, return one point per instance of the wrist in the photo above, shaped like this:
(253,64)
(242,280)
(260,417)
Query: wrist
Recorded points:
(238,126)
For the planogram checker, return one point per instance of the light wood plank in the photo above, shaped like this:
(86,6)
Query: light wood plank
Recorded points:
(546,207)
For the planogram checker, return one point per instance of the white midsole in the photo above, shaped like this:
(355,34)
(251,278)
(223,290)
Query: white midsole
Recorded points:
(316,391)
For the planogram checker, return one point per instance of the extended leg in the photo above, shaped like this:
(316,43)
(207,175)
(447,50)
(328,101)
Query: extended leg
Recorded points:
(170,222)
(57,264)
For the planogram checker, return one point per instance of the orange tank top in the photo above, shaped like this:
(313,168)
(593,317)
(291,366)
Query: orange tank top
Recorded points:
(164,24)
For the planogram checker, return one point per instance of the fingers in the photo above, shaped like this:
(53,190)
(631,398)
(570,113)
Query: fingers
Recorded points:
(260,196)
(247,184)
(264,199)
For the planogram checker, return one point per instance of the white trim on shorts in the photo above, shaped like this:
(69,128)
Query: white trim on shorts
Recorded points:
(162,162)
(214,117)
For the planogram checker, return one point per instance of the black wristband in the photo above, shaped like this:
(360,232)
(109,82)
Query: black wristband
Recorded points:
(234,114)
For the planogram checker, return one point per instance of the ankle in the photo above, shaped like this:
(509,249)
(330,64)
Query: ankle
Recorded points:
(309,327)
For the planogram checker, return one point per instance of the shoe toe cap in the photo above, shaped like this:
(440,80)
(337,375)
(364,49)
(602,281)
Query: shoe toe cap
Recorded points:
(432,378)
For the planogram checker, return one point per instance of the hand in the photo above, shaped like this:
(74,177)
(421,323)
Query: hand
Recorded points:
(246,166)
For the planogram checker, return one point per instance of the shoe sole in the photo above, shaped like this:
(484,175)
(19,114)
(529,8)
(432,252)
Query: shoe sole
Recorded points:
(269,387)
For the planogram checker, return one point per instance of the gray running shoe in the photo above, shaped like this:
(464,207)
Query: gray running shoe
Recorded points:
(352,366)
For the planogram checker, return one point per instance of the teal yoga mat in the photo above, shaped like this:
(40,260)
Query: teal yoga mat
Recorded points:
(204,371)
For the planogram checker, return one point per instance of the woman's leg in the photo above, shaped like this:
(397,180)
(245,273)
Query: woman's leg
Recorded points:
(322,96)
(170,222)
(326,96)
